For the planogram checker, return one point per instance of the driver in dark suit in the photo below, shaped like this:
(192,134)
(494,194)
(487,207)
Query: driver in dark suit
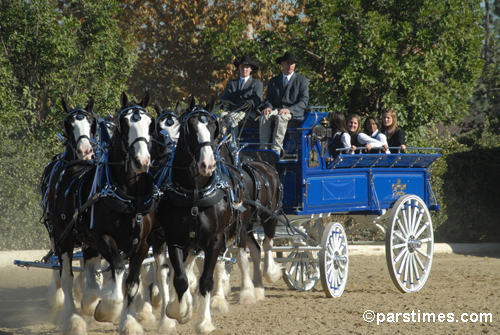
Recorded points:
(286,98)
(240,91)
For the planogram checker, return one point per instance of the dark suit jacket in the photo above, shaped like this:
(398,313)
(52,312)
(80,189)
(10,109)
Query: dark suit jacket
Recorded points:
(251,92)
(294,97)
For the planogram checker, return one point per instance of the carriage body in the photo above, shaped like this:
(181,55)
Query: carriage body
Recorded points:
(360,184)
(368,187)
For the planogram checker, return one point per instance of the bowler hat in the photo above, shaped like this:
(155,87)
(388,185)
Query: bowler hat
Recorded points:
(246,60)
(287,57)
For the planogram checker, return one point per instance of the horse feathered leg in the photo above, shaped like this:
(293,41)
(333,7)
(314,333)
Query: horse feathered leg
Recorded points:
(128,321)
(72,322)
(221,282)
(110,307)
(90,294)
(143,299)
(55,297)
(257,273)
(203,322)
(247,292)
(166,325)
(272,270)
(180,306)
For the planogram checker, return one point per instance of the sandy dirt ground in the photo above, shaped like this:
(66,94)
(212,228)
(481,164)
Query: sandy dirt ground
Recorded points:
(457,284)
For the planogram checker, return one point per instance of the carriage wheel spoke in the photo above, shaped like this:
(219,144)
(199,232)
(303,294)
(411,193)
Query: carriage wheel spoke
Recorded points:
(417,222)
(421,252)
(421,229)
(401,229)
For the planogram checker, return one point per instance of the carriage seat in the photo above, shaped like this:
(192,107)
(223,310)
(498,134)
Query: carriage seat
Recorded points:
(293,123)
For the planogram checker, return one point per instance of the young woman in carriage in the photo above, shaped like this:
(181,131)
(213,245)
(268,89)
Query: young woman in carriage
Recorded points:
(340,138)
(359,139)
(372,126)
(395,135)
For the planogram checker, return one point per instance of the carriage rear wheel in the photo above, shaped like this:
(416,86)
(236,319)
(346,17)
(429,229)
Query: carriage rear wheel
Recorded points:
(409,243)
(301,270)
(334,260)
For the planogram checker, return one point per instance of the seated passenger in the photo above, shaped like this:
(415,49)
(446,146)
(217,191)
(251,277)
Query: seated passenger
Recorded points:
(286,98)
(372,129)
(340,138)
(395,135)
(360,139)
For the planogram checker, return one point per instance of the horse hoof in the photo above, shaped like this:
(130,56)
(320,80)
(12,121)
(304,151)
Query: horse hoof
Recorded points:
(107,312)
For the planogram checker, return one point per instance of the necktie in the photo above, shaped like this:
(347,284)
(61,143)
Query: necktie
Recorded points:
(286,82)
(242,82)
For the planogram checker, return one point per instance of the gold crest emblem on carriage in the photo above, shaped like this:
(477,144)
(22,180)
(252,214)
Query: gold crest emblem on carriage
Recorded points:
(398,189)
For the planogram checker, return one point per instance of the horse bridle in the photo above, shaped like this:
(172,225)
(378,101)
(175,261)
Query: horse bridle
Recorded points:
(137,116)
(80,114)
(203,117)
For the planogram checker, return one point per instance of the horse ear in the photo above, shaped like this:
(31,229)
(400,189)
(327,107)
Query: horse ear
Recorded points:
(65,106)
(145,100)
(90,105)
(157,108)
(124,99)
(178,108)
(211,104)
(191,103)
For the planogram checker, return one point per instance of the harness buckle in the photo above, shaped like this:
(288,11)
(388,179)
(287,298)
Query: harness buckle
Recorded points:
(138,218)
(194,211)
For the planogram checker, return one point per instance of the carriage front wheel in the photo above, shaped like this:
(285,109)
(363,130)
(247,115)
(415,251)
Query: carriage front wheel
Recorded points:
(409,243)
(334,260)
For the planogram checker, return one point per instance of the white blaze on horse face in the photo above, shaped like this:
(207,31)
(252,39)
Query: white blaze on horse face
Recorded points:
(172,131)
(206,164)
(139,128)
(83,147)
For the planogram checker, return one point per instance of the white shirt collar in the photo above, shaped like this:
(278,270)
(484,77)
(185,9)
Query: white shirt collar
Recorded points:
(289,76)
(244,79)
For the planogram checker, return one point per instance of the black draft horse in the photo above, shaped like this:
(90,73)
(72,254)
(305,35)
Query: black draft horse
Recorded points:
(109,207)
(262,199)
(167,132)
(80,125)
(195,213)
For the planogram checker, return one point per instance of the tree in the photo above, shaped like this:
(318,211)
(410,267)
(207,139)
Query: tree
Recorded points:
(418,57)
(179,41)
(49,53)
(49,49)
(485,102)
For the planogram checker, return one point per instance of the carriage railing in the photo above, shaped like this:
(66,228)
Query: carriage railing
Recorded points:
(392,160)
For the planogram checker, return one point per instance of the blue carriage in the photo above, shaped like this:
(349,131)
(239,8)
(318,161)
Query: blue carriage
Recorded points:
(372,188)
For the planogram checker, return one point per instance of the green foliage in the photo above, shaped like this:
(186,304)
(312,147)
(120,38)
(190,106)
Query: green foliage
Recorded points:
(418,57)
(49,50)
(467,186)
(48,53)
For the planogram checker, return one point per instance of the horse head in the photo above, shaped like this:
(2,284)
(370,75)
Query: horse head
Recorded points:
(136,127)
(168,126)
(200,128)
(80,125)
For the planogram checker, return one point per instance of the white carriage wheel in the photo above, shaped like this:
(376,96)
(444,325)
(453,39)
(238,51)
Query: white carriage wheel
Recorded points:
(334,260)
(409,243)
(301,271)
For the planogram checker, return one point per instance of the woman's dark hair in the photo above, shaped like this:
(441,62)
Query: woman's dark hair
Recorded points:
(368,131)
(337,123)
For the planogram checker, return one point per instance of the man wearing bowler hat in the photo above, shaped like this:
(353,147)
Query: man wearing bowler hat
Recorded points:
(243,90)
(286,98)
